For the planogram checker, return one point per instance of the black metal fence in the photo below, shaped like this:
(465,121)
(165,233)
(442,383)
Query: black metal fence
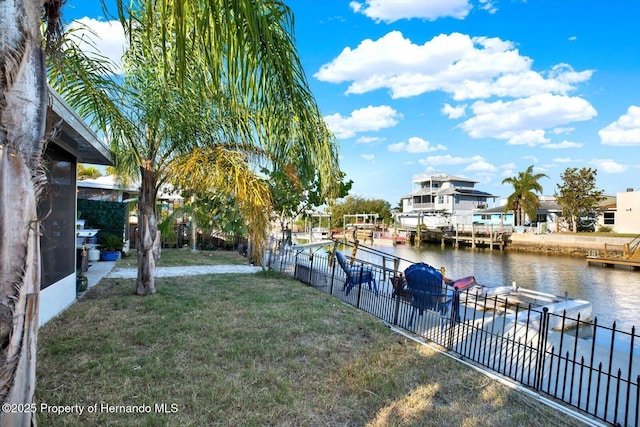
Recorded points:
(593,368)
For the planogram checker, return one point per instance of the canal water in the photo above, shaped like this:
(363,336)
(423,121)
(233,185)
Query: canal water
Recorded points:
(613,292)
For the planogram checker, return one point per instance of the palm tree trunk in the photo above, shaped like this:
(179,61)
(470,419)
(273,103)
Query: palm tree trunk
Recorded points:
(20,285)
(148,234)
(22,128)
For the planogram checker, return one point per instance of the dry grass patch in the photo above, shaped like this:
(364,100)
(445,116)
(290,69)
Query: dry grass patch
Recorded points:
(253,350)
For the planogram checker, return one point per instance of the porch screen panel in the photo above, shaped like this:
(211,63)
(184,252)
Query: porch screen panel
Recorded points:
(58,211)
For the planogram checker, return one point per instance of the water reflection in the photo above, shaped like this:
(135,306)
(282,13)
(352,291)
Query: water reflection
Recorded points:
(614,292)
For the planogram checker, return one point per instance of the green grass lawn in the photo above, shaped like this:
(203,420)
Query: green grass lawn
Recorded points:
(255,350)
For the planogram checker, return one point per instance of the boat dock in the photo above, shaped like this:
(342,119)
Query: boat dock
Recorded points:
(629,257)
(470,235)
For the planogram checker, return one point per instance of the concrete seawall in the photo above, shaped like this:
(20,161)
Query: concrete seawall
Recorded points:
(566,244)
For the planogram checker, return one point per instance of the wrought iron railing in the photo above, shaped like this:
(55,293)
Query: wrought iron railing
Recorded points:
(590,367)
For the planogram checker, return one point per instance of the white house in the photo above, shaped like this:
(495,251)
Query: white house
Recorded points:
(620,213)
(548,216)
(106,188)
(623,214)
(439,200)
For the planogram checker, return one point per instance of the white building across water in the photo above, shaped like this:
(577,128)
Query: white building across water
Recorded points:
(441,200)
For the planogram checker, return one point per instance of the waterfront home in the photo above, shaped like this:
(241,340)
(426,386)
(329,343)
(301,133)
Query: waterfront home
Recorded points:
(622,213)
(441,200)
(548,217)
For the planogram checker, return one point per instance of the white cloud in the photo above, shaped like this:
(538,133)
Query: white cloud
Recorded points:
(527,137)
(489,6)
(437,161)
(508,171)
(608,166)
(534,159)
(107,38)
(369,157)
(463,66)
(369,140)
(564,144)
(561,130)
(565,160)
(454,112)
(481,166)
(393,10)
(363,120)
(625,131)
(416,145)
(523,121)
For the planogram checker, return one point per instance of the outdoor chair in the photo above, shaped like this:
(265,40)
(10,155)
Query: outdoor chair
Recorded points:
(399,288)
(428,291)
(356,275)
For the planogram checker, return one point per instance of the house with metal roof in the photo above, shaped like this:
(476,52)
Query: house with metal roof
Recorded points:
(441,200)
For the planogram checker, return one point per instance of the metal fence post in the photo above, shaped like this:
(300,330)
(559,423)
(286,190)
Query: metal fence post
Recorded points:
(542,348)
(333,273)
(396,312)
(360,286)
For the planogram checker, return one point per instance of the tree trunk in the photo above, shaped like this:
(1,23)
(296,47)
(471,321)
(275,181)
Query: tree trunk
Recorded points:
(22,128)
(148,234)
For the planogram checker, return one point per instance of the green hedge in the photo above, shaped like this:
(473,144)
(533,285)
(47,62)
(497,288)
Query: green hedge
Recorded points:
(109,217)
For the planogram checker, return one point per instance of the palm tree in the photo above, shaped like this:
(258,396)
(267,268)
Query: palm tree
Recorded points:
(523,201)
(201,89)
(232,78)
(216,81)
(23,107)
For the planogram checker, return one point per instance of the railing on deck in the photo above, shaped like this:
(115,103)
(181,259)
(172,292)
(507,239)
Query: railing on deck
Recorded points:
(591,367)
(628,250)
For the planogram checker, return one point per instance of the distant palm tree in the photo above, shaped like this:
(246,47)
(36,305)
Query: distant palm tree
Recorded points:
(523,201)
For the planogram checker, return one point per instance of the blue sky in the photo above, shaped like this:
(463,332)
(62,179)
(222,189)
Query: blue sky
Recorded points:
(476,88)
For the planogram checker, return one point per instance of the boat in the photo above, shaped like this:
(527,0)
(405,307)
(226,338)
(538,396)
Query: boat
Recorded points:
(511,301)
(319,233)
(461,284)
(386,238)
(563,308)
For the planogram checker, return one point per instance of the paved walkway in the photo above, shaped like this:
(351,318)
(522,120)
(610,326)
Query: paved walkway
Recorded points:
(193,270)
(99,269)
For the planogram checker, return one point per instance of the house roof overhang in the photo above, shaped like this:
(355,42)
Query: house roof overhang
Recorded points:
(108,182)
(75,136)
